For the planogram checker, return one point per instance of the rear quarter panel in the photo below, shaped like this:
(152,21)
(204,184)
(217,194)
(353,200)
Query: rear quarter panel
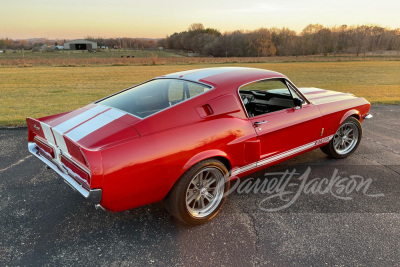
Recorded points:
(143,171)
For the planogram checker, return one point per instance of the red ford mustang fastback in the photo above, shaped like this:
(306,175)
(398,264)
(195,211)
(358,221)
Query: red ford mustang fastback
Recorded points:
(182,137)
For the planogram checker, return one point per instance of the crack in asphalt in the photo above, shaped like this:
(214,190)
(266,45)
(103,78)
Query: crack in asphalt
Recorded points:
(387,166)
(380,164)
(253,223)
(385,146)
(15,164)
(252,220)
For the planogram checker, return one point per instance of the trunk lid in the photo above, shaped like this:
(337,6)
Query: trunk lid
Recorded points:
(88,128)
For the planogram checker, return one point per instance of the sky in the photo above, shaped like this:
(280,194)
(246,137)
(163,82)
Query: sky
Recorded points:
(69,19)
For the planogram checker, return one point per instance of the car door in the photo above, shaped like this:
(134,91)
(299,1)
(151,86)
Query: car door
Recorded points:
(283,128)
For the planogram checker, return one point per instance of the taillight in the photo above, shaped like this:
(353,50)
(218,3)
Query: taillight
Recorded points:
(75,169)
(44,147)
(75,152)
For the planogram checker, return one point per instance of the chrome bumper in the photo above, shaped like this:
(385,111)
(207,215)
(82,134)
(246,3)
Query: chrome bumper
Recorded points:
(368,116)
(93,195)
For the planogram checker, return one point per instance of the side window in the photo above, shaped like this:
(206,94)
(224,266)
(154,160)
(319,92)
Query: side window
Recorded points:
(295,94)
(153,96)
(175,92)
(181,90)
(268,86)
(195,89)
(266,96)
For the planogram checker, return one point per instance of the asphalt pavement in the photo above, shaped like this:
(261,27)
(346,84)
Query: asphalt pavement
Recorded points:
(44,222)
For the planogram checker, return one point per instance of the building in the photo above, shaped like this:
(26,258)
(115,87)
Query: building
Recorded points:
(193,54)
(80,45)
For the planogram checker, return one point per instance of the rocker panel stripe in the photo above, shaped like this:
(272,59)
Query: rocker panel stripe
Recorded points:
(282,155)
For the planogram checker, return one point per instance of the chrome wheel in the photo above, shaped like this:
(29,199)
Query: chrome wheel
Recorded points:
(205,192)
(346,138)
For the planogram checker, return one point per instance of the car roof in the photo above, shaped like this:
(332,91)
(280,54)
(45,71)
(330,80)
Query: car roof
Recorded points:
(225,76)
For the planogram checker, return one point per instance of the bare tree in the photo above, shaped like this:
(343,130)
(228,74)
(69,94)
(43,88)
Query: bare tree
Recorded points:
(196,27)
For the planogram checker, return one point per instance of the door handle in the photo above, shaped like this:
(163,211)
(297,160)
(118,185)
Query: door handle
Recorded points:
(258,123)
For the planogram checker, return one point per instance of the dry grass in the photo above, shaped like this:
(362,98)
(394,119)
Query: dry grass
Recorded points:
(40,91)
(144,58)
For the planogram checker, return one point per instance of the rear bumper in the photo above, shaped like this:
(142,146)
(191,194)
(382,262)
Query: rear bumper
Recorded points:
(93,195)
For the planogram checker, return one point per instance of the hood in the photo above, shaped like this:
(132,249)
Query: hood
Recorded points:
(321,96)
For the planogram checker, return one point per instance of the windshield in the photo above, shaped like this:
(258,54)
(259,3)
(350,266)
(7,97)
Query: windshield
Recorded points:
(154,96)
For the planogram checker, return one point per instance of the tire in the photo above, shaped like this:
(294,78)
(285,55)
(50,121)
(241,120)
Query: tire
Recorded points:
(345,141)
(199,193)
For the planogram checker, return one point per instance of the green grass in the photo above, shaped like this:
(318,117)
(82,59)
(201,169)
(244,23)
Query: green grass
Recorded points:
(41,91)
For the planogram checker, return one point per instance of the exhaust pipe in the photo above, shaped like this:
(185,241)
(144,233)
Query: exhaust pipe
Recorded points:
(99,207)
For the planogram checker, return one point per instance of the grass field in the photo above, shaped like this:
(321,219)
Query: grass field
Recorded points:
(64,58)
(41,91)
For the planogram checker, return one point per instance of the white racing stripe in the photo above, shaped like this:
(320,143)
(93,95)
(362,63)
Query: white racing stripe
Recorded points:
(285,154)
(194,75)
(282,155)
(94,124)
(48,135)
(179,74)
(60,140)
(78,119)
(85,123)
(197,76)
(60,129)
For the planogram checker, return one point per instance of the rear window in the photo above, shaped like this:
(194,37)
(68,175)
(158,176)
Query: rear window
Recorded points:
(154,96)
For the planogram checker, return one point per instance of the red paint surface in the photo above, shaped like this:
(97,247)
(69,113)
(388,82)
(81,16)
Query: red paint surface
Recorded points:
(136,162)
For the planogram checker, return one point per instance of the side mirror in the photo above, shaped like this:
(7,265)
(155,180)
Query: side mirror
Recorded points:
(298,103)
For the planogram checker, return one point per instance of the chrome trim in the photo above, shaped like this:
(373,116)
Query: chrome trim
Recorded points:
(93,195)
(55,149)
(100,207)
(294,88)
(258,123)
(78,165)
(58,153)
(368,116)
(187,80)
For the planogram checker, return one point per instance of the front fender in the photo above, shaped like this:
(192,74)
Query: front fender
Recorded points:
(349,113)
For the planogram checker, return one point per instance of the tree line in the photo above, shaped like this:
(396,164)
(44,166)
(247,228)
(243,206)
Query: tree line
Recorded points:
(313,39)
(125,42)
